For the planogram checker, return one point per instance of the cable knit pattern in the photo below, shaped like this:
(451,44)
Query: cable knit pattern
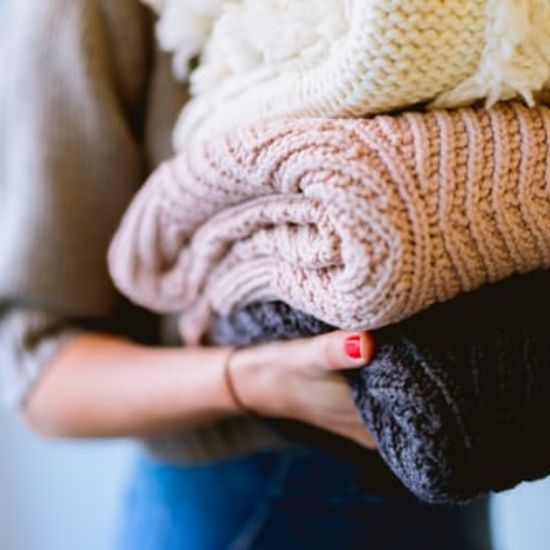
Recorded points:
(360,223)
(263,59)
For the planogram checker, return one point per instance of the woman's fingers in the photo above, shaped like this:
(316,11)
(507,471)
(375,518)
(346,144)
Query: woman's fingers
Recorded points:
(342,350)
(299,379)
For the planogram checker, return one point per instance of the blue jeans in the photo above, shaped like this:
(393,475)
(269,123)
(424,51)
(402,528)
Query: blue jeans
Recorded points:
(296,498)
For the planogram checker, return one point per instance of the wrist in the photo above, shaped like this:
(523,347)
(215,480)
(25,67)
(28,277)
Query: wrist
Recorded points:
(225,398)
(253,382)
(238,402)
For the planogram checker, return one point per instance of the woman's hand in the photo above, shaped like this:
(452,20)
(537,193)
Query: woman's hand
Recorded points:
(99,385)
(299,380)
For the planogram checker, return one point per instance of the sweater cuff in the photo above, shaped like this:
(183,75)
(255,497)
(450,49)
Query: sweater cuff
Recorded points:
(29,340)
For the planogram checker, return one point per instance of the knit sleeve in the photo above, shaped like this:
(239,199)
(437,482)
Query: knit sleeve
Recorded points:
(74,79)
(29,340)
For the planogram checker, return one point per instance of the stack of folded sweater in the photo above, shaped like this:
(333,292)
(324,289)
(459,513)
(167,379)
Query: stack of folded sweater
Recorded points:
(300,223)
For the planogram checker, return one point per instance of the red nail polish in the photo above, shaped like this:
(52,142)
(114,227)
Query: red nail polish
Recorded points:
(353,347)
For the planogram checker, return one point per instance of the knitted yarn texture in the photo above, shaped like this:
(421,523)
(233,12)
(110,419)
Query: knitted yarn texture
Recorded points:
(262,59)
(359,223)
(447,390)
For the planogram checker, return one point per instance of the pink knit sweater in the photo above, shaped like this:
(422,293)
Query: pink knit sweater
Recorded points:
(360,223)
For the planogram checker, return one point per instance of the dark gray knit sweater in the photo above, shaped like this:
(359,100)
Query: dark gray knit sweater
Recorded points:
(458,398)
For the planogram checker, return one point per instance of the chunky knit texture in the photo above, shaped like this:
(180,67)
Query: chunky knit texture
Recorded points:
(264,59)
(458,398)
(360,223)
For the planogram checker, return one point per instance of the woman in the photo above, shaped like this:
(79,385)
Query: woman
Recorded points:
(86,110)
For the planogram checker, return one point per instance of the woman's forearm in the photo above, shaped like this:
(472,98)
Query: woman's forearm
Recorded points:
(102,386)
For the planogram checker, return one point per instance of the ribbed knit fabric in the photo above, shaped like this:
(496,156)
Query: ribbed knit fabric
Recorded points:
(458,398)
(360,223)
(263,59)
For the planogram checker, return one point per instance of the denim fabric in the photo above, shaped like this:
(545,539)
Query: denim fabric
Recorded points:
(296,498)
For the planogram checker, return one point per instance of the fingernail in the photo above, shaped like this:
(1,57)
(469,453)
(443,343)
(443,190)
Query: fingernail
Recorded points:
(353,346)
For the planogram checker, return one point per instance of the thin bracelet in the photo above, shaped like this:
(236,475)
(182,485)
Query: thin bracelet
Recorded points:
(230,384)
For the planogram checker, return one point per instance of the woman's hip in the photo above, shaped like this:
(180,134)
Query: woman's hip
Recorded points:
(297,497)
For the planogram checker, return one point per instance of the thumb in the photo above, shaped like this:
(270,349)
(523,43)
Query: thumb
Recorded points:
(343,350)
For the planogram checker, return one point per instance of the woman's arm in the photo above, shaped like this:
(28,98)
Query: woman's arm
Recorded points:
(101,386)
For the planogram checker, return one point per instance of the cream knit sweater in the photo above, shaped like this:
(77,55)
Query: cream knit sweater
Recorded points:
(360,223)
(264,59)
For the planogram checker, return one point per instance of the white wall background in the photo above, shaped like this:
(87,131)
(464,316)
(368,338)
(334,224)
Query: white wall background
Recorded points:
(58,495)
(521,518)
